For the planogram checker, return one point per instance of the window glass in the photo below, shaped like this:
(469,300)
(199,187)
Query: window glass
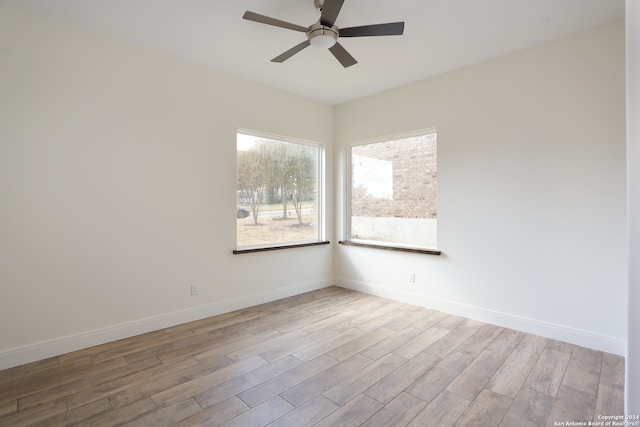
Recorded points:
(394,192)
(278,192)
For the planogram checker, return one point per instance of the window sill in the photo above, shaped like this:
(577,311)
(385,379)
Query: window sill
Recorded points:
(391,248)
(276,248)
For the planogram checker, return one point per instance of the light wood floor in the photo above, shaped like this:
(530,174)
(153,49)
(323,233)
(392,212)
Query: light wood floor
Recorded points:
(333,357)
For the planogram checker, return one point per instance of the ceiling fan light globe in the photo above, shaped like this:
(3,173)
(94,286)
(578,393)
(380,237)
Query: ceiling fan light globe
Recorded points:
(323,41)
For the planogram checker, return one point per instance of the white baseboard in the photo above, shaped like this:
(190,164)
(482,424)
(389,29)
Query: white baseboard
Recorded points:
(531,326)
(57,346)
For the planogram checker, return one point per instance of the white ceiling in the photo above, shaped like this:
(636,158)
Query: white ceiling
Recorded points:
(439,36)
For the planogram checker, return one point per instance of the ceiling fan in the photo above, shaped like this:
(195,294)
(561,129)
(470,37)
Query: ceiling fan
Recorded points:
(325,33)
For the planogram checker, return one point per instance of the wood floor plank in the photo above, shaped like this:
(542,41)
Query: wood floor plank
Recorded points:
(127,346)
(474,377)
(323,381)
(358,382)
(124,393)
(452,322)
(170,395)
(378,321)
(328,322)
(366,303)
(431,320)
(353,413)
(610,398)
(359,344)
(231,322)
(262,346)
(509,378)
(529,409)
(169,415)
(451,341)
(8,407)
(332,357)
(102,373)
(298,345)
(204,326)
(572,405)
(177,343)
(124,415)
(360,320)
(216,414)
(506,342)
(308,414)
(273,318)
(78,416)
(140,375)
(314,306)
(261,415)
(387,345)
(399,412)
(200,343)
(43,379)
(434,381)
(583,371)
(533,344)
(392,385)
(296,321)
(20,372)
(421,342)
(487,409)
(480,339)
(546,376)
(226,347)
(290,378)
(444,410)
(321,347)
(560,346)
(34,415)
(249,323)
(241,383)
(409,316)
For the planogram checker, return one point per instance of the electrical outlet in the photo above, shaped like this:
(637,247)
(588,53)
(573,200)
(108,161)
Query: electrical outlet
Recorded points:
(412,277)
(195,289)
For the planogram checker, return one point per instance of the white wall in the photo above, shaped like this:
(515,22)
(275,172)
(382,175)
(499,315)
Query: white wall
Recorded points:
(632,404)
(117,189)
(531,190)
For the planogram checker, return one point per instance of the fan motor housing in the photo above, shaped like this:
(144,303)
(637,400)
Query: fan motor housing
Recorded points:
(323,36)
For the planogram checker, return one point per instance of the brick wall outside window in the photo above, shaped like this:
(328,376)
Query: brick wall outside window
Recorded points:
(414,170)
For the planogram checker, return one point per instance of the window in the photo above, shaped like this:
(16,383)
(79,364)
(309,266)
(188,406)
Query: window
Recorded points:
(278,191)
(393,193)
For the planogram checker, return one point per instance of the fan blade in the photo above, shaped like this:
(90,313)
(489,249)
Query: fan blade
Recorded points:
(342,55)
(330,11)
(288,54)
(256,17)
(390,29)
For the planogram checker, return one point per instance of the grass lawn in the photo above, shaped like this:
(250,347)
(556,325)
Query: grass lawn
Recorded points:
(275,229)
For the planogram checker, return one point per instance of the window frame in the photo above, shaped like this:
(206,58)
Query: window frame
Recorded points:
(348,240)
(320,195)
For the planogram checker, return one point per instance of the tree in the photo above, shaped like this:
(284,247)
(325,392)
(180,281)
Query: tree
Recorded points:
(252,169)
(276,167)
(302,173)
(277,176)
